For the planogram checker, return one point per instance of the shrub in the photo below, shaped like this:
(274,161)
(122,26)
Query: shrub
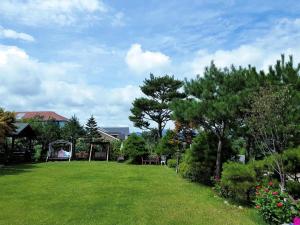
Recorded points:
(37,152)
(134,148)
(168,144)
(274,206)
(238,182)
(293,188)
(115,150)
(291,163)
(172,163)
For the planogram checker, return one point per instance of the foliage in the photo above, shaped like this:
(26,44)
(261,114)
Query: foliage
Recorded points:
(46,132)
(37,152)
(151,138)
(168,144)
(213,104)
(200,160)
(91,128)
(291,162)
(275,206)
(7,120)
(172,163)
(160,91)
(293,188)
(238,182)
(116,150)
(134,148)
(72,130)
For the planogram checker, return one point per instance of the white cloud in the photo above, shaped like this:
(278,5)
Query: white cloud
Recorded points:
(29,84)
(8,33)
(145,61)
(262,52)
(61,12)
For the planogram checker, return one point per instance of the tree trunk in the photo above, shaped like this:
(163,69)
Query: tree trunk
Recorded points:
(219,159)
(160,131)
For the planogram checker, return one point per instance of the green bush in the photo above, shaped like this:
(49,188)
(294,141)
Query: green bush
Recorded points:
(274,206)
(168,144)
(116,150)
(37,153)
(172,163)
(291,163)
(200,160)
(293,188)
(134,148)
(238,182)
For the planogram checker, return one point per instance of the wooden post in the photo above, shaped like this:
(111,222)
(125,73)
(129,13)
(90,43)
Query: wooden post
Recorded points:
(91,152)
(70,156)
(107,152)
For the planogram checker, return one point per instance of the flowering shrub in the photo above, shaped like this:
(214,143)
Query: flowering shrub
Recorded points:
(274,206)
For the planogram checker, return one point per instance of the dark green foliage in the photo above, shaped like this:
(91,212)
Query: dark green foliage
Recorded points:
(160,91)
(293,188)
(200,160)
(168,144)
(91,128)
(151,138)
(72,130)
(239,181)
(46,132)
(116,150)
(213,103)
(172,163)
(134,148)
(291,161)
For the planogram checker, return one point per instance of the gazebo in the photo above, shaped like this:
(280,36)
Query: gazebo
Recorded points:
(19,147)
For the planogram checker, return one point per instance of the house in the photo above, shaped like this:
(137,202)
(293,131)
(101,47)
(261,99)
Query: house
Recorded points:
(43,115)
(118,132)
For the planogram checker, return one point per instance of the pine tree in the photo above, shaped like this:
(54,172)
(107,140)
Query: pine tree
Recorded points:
(91,128)
(160,91)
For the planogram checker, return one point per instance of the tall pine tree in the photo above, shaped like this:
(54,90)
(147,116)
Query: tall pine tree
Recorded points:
(91,128)
(159,91)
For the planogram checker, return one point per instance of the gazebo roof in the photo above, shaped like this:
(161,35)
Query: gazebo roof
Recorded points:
(23,130)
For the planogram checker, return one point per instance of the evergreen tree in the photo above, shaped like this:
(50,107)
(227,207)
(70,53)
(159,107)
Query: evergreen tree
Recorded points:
(160,91)
(72,131)
(91,128)
(213,103)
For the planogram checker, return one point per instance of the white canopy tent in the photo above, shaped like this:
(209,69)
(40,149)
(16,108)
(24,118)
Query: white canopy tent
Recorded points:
(61,154)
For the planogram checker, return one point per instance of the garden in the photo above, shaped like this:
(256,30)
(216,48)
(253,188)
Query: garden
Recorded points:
(232,155)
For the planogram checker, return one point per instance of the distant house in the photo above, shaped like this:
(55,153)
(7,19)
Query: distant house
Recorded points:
(43,115)
(118,132)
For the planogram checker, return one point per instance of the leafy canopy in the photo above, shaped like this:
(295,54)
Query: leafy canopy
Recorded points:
(159,91)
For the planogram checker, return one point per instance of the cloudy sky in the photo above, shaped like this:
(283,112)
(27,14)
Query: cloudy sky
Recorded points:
(88,57)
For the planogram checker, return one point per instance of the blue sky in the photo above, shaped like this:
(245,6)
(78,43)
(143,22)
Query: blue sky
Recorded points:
(88,57)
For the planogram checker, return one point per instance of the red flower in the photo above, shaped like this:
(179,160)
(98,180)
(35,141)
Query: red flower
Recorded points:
(275,193)
(257,206)
(266,190)
(270,183)
(279,204)
(258,187)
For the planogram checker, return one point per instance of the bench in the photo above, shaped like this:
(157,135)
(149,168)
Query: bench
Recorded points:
(150,160)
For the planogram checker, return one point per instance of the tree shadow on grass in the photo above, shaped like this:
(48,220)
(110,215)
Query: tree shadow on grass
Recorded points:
(16,169)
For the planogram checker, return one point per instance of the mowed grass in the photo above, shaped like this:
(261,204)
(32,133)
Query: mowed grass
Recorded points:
(109,193)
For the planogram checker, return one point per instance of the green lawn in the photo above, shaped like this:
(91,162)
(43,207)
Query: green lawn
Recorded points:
(109,193)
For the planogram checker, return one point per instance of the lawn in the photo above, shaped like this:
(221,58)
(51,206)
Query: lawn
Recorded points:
(109,193)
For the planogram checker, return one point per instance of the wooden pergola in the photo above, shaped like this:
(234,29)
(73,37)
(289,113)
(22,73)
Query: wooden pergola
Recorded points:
(23,131)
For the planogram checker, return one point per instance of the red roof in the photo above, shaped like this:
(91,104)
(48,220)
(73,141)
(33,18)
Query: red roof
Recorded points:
(46,115)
